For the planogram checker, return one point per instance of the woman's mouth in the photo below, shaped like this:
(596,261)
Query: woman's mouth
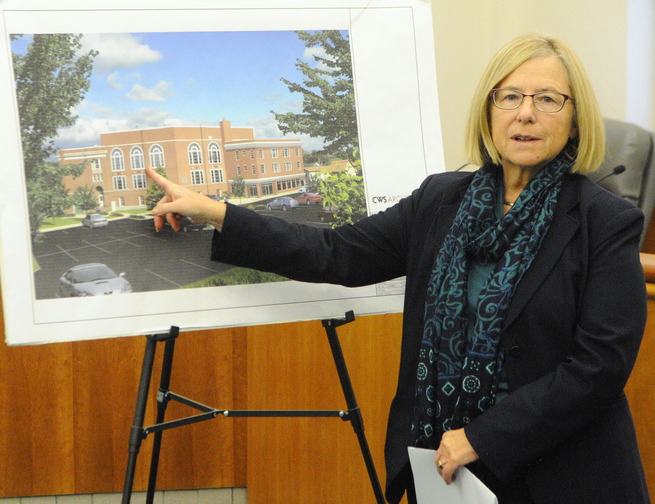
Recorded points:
(524,138)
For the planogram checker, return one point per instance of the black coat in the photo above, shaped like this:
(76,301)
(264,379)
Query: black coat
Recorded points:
(571,336)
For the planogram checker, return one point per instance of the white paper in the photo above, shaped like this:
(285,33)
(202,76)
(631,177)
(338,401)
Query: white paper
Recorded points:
(432,489)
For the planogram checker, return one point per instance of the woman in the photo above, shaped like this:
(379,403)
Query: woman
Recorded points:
(525,298)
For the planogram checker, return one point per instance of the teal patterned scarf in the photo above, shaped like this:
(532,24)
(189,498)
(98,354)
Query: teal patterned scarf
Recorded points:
(457,378)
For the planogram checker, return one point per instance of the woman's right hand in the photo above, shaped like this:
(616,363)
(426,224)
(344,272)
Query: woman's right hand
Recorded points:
(179,202)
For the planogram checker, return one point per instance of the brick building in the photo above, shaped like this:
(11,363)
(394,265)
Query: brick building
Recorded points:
(204,158)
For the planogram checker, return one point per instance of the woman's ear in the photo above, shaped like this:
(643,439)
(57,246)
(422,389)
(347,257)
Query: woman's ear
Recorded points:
(574,125)
(574,131)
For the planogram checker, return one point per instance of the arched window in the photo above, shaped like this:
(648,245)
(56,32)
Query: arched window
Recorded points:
(117,161)
(136,158)
(157,156)
(214,153)
(195,154)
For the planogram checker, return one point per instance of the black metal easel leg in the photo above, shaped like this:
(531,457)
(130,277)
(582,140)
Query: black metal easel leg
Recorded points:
(137,432)
(356,419)
(164,395)
(162,403)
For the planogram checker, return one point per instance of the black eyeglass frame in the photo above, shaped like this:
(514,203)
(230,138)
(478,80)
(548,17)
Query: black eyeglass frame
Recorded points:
(492,95)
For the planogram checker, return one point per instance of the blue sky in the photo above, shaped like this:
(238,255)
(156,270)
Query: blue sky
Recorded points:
(143,80)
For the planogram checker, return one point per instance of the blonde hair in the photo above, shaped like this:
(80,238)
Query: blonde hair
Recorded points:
(589,146)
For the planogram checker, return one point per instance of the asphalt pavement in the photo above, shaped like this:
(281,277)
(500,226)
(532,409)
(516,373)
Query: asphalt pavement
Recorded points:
(151,260)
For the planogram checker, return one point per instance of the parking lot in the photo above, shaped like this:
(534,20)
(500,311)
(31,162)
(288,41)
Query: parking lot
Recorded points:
(150,260)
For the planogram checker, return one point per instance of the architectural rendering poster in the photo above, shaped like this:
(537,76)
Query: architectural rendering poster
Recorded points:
(271,107)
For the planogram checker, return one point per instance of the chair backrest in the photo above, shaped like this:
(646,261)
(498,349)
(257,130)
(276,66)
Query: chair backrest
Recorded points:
(631,146)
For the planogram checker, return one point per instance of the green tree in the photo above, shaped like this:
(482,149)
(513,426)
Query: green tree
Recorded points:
(51,80)
(328,95)
(313,183)
(155,193)
(345,194)
(311,158)
(238,187)
(47,196)
(85,199)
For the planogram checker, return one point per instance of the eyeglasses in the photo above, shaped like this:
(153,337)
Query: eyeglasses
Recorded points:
(546,101)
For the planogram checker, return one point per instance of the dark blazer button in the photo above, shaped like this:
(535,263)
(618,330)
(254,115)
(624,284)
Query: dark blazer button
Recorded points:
(516,351)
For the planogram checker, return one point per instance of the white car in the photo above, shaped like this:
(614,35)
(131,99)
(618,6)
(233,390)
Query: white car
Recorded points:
(94,220)
(93,279)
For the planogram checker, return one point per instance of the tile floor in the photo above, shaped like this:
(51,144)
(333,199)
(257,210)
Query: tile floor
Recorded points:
(205,496)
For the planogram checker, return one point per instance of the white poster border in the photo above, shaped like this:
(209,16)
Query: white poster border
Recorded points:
(400,141)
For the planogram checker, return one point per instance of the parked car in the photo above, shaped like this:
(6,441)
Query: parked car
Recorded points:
(92,279)
(309,198)
(94,220)
(188,224)
(283,203)
(326,214)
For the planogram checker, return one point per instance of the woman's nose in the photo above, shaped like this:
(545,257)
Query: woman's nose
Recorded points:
(526,111)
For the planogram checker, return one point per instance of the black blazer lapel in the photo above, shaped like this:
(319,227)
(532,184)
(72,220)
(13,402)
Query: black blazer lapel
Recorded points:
(565,224)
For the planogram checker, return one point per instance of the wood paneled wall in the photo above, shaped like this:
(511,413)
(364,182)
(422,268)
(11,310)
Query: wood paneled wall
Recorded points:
(66,411)
(640,389)
(318,461)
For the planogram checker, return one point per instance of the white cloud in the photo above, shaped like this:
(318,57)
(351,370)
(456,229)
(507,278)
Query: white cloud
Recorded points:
(310,52)
(86,130)
(266,128)
(159,93)
(113,80)
(93,109)
(294,106)
(118,50)
(153,117)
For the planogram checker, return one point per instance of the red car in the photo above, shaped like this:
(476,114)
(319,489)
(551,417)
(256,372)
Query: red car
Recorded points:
(309,198)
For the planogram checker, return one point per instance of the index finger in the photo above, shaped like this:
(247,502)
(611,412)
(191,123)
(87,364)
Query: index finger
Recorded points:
(156,177)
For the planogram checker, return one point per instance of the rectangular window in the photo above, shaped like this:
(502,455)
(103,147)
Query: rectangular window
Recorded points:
(236,153)
(287,166)
(141,201)
(254,169)
(117,162)
(297,151)
(156,157)
(273,153)
(286,152)
(195,157)
(299,165)
(120,183)
(217,176)
(139,181)
(262,168)
(261,153)
(252,191)
(121,202)
(276,167)
(252,153)
(197,177)
(95,165)
(239,170)
(97,177)
(267,189)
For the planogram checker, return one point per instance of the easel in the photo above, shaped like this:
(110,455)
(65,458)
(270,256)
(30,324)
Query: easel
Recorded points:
(138,433)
